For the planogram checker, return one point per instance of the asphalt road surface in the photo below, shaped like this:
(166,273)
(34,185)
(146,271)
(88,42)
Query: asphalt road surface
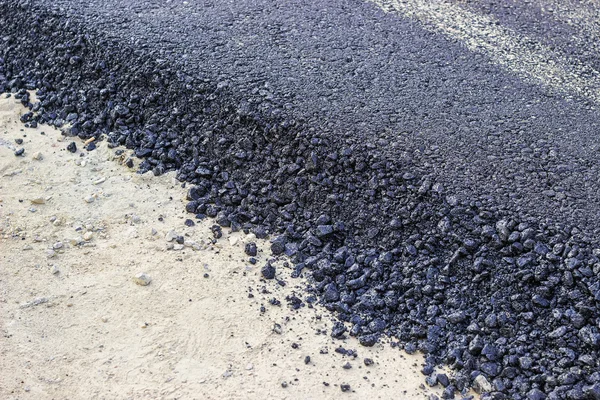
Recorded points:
(499,99)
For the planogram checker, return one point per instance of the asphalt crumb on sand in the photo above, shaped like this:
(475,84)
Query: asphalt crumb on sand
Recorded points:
(108,298)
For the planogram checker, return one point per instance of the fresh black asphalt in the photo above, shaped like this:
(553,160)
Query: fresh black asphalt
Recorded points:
(431,194)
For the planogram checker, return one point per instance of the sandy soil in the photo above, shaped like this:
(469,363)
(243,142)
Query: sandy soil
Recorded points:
(76,228)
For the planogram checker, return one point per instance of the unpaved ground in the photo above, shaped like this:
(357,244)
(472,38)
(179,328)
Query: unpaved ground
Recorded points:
(74,325)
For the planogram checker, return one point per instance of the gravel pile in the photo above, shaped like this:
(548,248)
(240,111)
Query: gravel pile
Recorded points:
(510,304)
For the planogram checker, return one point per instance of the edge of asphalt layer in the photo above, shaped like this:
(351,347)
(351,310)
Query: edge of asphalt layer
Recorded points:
(512,301)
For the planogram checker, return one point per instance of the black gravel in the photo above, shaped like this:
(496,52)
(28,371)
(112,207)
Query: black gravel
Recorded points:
(72,147)
(390,229)
(251,249)
(268,271)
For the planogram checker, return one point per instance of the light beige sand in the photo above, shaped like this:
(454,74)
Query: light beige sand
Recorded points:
(74,325)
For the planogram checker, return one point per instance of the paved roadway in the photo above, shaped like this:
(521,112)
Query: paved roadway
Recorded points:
(494,99)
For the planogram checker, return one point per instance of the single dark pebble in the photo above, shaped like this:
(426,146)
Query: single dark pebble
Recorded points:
(274,302)
(217,231)
(347,366)
(345,387)
(410,348)
(252,260)
(19,152)
(19,141)
(368,362)
(268,271)
(72,147)
(448,392)
(306,359)
(251,249)
(338,330)
(277,247)
(91,146)
(368,340)
(189,222)
(284,384)
(431,380)
(427,369)
(443,379)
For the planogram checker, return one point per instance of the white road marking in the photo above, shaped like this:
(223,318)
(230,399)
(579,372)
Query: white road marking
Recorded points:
(583,15)
(504,46)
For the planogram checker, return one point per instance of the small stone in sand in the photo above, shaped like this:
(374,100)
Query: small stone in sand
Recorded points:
(72,147)
(171,235)
(38,200)
(54,270)
(268,271)
(38,156)
(87,236)
(35,302)
(142,279)
(481,384)
(19,152)
(90,199)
